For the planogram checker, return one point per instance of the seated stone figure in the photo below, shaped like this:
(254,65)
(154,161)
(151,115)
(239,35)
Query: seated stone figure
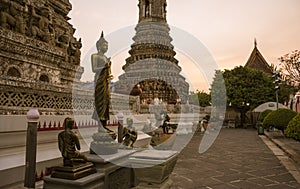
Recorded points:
(165,122)
(68,142)
(129,134)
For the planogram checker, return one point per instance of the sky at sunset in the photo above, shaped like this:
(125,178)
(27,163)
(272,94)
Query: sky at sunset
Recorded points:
(226,28)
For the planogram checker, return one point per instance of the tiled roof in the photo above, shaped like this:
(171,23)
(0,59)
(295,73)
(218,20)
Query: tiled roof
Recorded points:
(257,61)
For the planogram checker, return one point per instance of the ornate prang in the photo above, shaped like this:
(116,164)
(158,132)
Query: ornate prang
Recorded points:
(152,64)
(12,17)
(39,55)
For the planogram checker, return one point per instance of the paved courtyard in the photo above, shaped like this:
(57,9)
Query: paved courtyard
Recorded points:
(239,158)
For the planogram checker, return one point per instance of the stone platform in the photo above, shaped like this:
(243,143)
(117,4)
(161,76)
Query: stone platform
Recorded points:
(73,173)
(117,174)
(152,168)
(93,181)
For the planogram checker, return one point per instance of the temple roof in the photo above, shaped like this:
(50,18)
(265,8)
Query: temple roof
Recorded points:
(258,62)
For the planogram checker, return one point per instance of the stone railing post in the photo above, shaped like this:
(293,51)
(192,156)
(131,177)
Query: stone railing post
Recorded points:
(120,126)
(31,142)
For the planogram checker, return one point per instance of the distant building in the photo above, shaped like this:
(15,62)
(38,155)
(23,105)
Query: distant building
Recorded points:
(258,62)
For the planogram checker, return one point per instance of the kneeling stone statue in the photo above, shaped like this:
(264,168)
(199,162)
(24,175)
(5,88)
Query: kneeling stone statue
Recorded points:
(129,134)
(68,142)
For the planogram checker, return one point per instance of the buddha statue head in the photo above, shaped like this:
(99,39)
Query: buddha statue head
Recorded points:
(102,44)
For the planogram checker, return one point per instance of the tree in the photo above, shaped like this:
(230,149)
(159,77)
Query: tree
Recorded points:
(246,88)
(218,97)
(200,97)
(290,66)
(285,90)
(283,87)
(218,90)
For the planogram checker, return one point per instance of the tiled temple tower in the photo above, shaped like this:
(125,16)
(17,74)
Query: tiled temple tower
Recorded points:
(152,71)
(39,56)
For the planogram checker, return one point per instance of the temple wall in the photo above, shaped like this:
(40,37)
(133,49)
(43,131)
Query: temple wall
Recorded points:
(39,57)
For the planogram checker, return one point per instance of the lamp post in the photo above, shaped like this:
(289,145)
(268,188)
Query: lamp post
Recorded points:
(31,142)
(245,107)
(120,126)
(277,82)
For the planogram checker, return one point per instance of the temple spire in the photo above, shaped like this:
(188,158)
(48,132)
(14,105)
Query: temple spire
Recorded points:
(152,10)
(257,61)
(152,66)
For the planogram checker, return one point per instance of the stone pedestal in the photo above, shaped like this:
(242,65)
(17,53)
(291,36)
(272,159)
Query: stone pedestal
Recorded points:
(81,176)
(164,141)
(148,169)
(143,140)
(164,185)
(73,173)
(152,168)
(103,143)
(184,128)
(93,181)
(115,167)
(104,148)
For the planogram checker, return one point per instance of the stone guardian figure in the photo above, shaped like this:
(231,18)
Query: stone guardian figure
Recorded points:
(12,17)
(129,134)
(68,144)
(75,164)
(43,28)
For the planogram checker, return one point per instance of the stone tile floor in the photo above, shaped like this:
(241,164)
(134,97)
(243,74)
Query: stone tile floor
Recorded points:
(239,158)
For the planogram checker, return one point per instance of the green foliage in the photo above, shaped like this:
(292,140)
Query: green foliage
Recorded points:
(218,90)
(293,128)
(263,114)
(200,98)
(246,85)
(279,118)
(241,86)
